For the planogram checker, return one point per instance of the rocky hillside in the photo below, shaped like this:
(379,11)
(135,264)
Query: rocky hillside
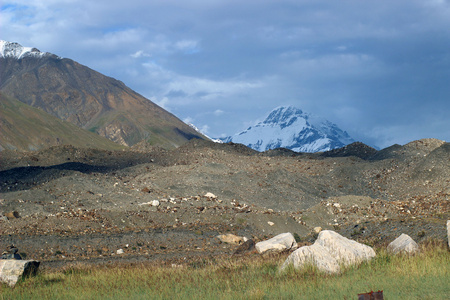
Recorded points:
(26,128)
(86,98)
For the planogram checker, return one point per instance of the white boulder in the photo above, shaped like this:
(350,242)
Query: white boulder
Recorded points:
(277,243)
(404,243)
(328,252)
(346,251)
(11,270)
(315,255)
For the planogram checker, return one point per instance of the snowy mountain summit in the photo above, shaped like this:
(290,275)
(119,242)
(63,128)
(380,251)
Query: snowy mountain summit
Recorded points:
(15,50)
(291,128)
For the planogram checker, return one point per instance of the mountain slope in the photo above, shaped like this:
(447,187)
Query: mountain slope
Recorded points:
(291,128)
(27,128)
(86,98)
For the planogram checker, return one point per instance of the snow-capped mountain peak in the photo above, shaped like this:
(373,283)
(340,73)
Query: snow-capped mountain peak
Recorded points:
(15,50)
(291,128)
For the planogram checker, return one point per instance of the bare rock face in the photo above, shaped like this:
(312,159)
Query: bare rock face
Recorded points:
(316,255)
(328,252)
(283,241)
(11,270)
(343,249)
(403,244)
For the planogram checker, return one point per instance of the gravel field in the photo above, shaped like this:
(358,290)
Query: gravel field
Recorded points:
(64,205)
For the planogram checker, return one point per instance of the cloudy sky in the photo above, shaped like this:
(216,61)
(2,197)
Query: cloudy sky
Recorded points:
(379,69)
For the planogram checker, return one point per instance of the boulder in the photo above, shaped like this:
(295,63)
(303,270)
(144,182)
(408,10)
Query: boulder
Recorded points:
(448,232)
(12,215)
(231,239)
(346,251)
(12,270)
(404,243)
(210,195)
(277,243)
(328,252)
(11,253)
(315,255)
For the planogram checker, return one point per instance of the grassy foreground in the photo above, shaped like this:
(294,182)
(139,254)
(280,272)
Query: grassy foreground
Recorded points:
(423,276)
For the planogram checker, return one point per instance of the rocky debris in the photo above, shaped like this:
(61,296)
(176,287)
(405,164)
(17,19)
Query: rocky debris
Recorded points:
(11,253)
(12,215)
(104,198)
(317,229)
(343,249)
(120,251)
(315,255)
(329,250)
(12,270)
(231,239)
(403,244)
(281,242)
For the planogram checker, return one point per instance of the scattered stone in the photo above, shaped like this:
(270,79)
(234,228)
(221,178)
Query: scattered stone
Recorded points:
(120,251)
(404,243)
(317,229)
(11,253)
(245,247)
(346,251)
(155,203)
(12,270)
(315,255)
(210,195)
(231,239)
(270,223)
(12,215)
(283,241)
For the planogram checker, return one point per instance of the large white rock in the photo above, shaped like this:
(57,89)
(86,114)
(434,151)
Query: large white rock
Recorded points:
(328,252)
(404,243)
(344,250)
(277,243)
(11,270)
(315,255)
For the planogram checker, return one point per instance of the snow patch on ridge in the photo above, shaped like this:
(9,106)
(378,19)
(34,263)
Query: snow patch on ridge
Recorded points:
(15,50)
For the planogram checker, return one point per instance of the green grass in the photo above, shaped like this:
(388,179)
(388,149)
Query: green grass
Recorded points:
(423,276)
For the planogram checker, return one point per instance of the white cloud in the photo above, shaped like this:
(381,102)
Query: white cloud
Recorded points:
(218,112)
